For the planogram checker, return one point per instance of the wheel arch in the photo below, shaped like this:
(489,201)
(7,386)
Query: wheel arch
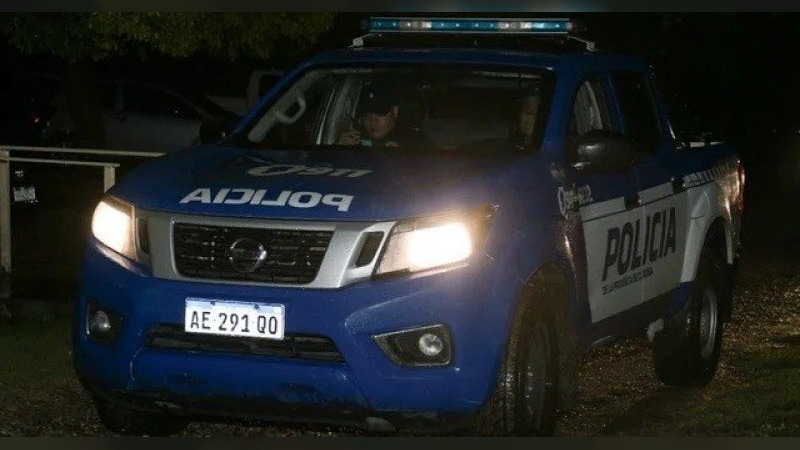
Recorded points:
(718,239)
(701,234)
(546,288)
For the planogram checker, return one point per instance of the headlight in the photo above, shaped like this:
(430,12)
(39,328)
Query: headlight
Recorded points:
(430,243)
(113,225)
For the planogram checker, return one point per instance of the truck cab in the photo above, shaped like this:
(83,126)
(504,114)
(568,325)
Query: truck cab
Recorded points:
(412,235)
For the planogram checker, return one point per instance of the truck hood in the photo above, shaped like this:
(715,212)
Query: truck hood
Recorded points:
(350,185)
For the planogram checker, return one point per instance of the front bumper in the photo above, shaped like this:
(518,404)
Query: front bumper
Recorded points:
(367,383)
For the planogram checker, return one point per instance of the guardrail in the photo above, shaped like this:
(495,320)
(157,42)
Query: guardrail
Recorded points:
(109,178)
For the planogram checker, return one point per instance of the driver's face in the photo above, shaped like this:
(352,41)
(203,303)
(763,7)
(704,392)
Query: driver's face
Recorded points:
(378,126)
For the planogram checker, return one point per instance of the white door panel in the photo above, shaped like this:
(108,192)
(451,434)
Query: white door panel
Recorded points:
(666,222)
(614,257)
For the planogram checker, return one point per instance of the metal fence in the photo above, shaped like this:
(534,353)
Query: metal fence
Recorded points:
(6,158)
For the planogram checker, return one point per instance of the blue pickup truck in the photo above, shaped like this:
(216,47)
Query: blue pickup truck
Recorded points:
(413,232)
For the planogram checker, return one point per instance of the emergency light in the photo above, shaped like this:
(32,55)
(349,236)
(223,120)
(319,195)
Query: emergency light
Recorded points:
(454,25)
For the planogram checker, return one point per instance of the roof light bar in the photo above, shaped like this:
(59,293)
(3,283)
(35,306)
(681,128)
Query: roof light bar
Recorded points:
(453,25)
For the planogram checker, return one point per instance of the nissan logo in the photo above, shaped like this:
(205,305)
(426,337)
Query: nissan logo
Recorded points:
(246,255)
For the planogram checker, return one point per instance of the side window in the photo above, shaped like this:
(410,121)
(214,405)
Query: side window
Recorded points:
(637,107)
(590,110)
(146,100)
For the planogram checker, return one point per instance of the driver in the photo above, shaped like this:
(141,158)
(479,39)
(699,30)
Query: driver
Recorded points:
(376,124)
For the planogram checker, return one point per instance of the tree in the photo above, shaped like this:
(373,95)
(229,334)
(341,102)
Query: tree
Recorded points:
(81,39)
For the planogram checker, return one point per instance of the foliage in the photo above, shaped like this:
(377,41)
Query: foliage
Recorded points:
(99,35)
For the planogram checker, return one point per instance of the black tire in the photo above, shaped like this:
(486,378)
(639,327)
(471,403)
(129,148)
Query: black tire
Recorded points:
(525,396)
(689,354)
(129,422)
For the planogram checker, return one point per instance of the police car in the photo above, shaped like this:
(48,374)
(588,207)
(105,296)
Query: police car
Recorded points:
(512,208)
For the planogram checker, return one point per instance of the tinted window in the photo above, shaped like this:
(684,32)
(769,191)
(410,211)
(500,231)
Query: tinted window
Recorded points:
(637,106)
(590,109)
(589,112)
(434,108)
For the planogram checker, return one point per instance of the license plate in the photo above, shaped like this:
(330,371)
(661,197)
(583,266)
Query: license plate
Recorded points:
(228,318)
(25,194)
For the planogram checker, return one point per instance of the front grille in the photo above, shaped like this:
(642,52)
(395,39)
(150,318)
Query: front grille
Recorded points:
(292,256)
(302,346)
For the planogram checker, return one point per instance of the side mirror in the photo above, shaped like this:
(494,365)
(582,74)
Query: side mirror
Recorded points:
(603,151)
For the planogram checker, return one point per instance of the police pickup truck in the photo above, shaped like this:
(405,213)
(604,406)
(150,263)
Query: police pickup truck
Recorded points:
(412,231)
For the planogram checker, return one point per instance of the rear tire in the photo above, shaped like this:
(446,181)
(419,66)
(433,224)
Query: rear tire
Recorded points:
(525,395)
(129,422)
(689,355)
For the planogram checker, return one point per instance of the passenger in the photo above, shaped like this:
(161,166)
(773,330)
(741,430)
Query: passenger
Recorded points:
(529,103)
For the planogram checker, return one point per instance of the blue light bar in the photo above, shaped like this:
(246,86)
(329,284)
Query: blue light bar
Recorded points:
(448,25)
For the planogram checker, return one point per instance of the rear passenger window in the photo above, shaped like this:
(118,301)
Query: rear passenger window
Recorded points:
(637,107)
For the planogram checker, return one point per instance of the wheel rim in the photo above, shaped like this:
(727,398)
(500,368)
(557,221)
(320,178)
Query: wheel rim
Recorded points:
(708,323)
(535,379)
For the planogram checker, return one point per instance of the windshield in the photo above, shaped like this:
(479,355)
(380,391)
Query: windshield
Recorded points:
(430,109)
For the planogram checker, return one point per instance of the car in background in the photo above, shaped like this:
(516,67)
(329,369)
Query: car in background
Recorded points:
(144,116)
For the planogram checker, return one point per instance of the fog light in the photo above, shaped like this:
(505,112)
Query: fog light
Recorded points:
(430,344)
(102,324)
(418,347)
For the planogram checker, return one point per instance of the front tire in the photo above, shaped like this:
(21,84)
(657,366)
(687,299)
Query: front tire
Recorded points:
(525,395)
(689,355)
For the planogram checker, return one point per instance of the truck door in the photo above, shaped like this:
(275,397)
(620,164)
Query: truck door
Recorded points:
(661,192)
(609,213)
